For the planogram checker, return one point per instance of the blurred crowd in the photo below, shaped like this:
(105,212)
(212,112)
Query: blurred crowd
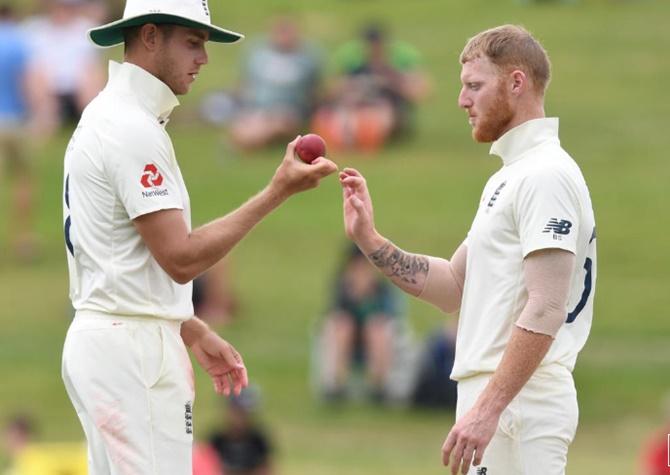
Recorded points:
(238,445)
(367,102)
(50,73)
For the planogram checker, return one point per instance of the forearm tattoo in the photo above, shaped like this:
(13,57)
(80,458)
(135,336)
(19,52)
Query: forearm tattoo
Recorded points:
(394,262)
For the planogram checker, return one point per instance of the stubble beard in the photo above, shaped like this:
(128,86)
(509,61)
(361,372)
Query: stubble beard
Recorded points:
(496,120)
(169,74)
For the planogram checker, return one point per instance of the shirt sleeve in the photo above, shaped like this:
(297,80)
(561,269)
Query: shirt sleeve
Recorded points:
(144,173)
(547,212)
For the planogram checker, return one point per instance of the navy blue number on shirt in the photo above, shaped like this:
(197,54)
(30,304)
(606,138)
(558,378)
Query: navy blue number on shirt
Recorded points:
(588,285)
(68,220)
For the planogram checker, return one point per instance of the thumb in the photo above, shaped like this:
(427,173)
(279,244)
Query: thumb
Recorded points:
(290,148)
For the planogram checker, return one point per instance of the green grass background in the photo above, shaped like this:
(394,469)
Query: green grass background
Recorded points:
(611,70)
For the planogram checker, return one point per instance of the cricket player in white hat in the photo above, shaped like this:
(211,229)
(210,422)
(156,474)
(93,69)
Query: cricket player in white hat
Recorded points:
(132,253)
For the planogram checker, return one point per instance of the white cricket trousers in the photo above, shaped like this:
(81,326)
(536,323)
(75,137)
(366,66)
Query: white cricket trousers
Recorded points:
(131,382)
(535,430)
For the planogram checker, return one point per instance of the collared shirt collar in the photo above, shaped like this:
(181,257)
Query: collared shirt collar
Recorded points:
(515,142)
(149,91)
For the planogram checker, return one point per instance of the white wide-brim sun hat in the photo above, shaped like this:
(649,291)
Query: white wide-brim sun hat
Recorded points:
(188,13)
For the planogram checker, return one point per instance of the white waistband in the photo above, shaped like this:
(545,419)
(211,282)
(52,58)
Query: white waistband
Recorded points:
(90,315)
(551,370)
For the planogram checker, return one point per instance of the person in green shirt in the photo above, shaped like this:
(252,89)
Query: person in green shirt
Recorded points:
(380,82)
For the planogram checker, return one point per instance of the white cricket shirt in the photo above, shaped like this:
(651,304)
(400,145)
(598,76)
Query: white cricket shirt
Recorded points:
(119,165)
(537,200)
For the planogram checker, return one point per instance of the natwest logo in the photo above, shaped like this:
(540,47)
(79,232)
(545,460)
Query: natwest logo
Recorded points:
(151,177)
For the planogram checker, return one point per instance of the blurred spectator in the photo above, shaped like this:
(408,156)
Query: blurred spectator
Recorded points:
(214,298)
(654,458)
(280,76)
(434,389)
(28,457)
(24,113)
(60,46)
(374,98)
(17,434)
(243,447)
(205,460)
(365,329)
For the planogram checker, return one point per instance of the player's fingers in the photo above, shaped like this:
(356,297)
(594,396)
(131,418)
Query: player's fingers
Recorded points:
(352,180)
(457,456)
(323,167)
(479,455)
(467,458)
(318,160)
(447,448)
(240,380)
(245,377)
(226,385)
(356,183)
(352,172)
(221,383)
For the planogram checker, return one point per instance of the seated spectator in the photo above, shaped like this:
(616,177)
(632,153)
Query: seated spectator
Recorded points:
(364,328)
(280,76)
(373,100)
(60,46)
(206,460)
(28,457)
(433,388)
(243,446)
(18,432)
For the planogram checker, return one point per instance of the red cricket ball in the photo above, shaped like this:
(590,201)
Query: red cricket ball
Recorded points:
(309,147)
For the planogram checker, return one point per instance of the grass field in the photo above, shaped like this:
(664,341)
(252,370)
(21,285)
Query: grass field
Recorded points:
(611,66)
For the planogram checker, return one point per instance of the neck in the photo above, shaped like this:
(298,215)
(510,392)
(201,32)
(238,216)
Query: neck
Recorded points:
(141,61)
(524,114)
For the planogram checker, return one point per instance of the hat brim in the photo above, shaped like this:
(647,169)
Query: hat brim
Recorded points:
(111,34)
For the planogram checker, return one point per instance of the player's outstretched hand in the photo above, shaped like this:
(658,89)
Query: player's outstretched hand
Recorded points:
(358,213)
(222,362)
(293,175)
(468,439)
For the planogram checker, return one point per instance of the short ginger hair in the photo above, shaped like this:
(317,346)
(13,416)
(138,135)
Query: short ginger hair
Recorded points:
(511,47)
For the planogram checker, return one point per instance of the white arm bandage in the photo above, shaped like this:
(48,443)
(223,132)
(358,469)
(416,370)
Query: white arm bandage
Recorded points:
(547,274)
(444,282)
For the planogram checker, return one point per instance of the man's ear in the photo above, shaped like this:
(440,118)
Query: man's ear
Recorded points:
(519,81)
(149,36)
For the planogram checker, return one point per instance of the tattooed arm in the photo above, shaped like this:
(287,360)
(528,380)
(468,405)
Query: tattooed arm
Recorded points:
(435,280)
(407,271)
(432,279)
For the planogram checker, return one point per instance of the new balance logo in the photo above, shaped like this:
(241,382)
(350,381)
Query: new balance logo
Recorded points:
(558,227)
(482,471)
(496,193)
